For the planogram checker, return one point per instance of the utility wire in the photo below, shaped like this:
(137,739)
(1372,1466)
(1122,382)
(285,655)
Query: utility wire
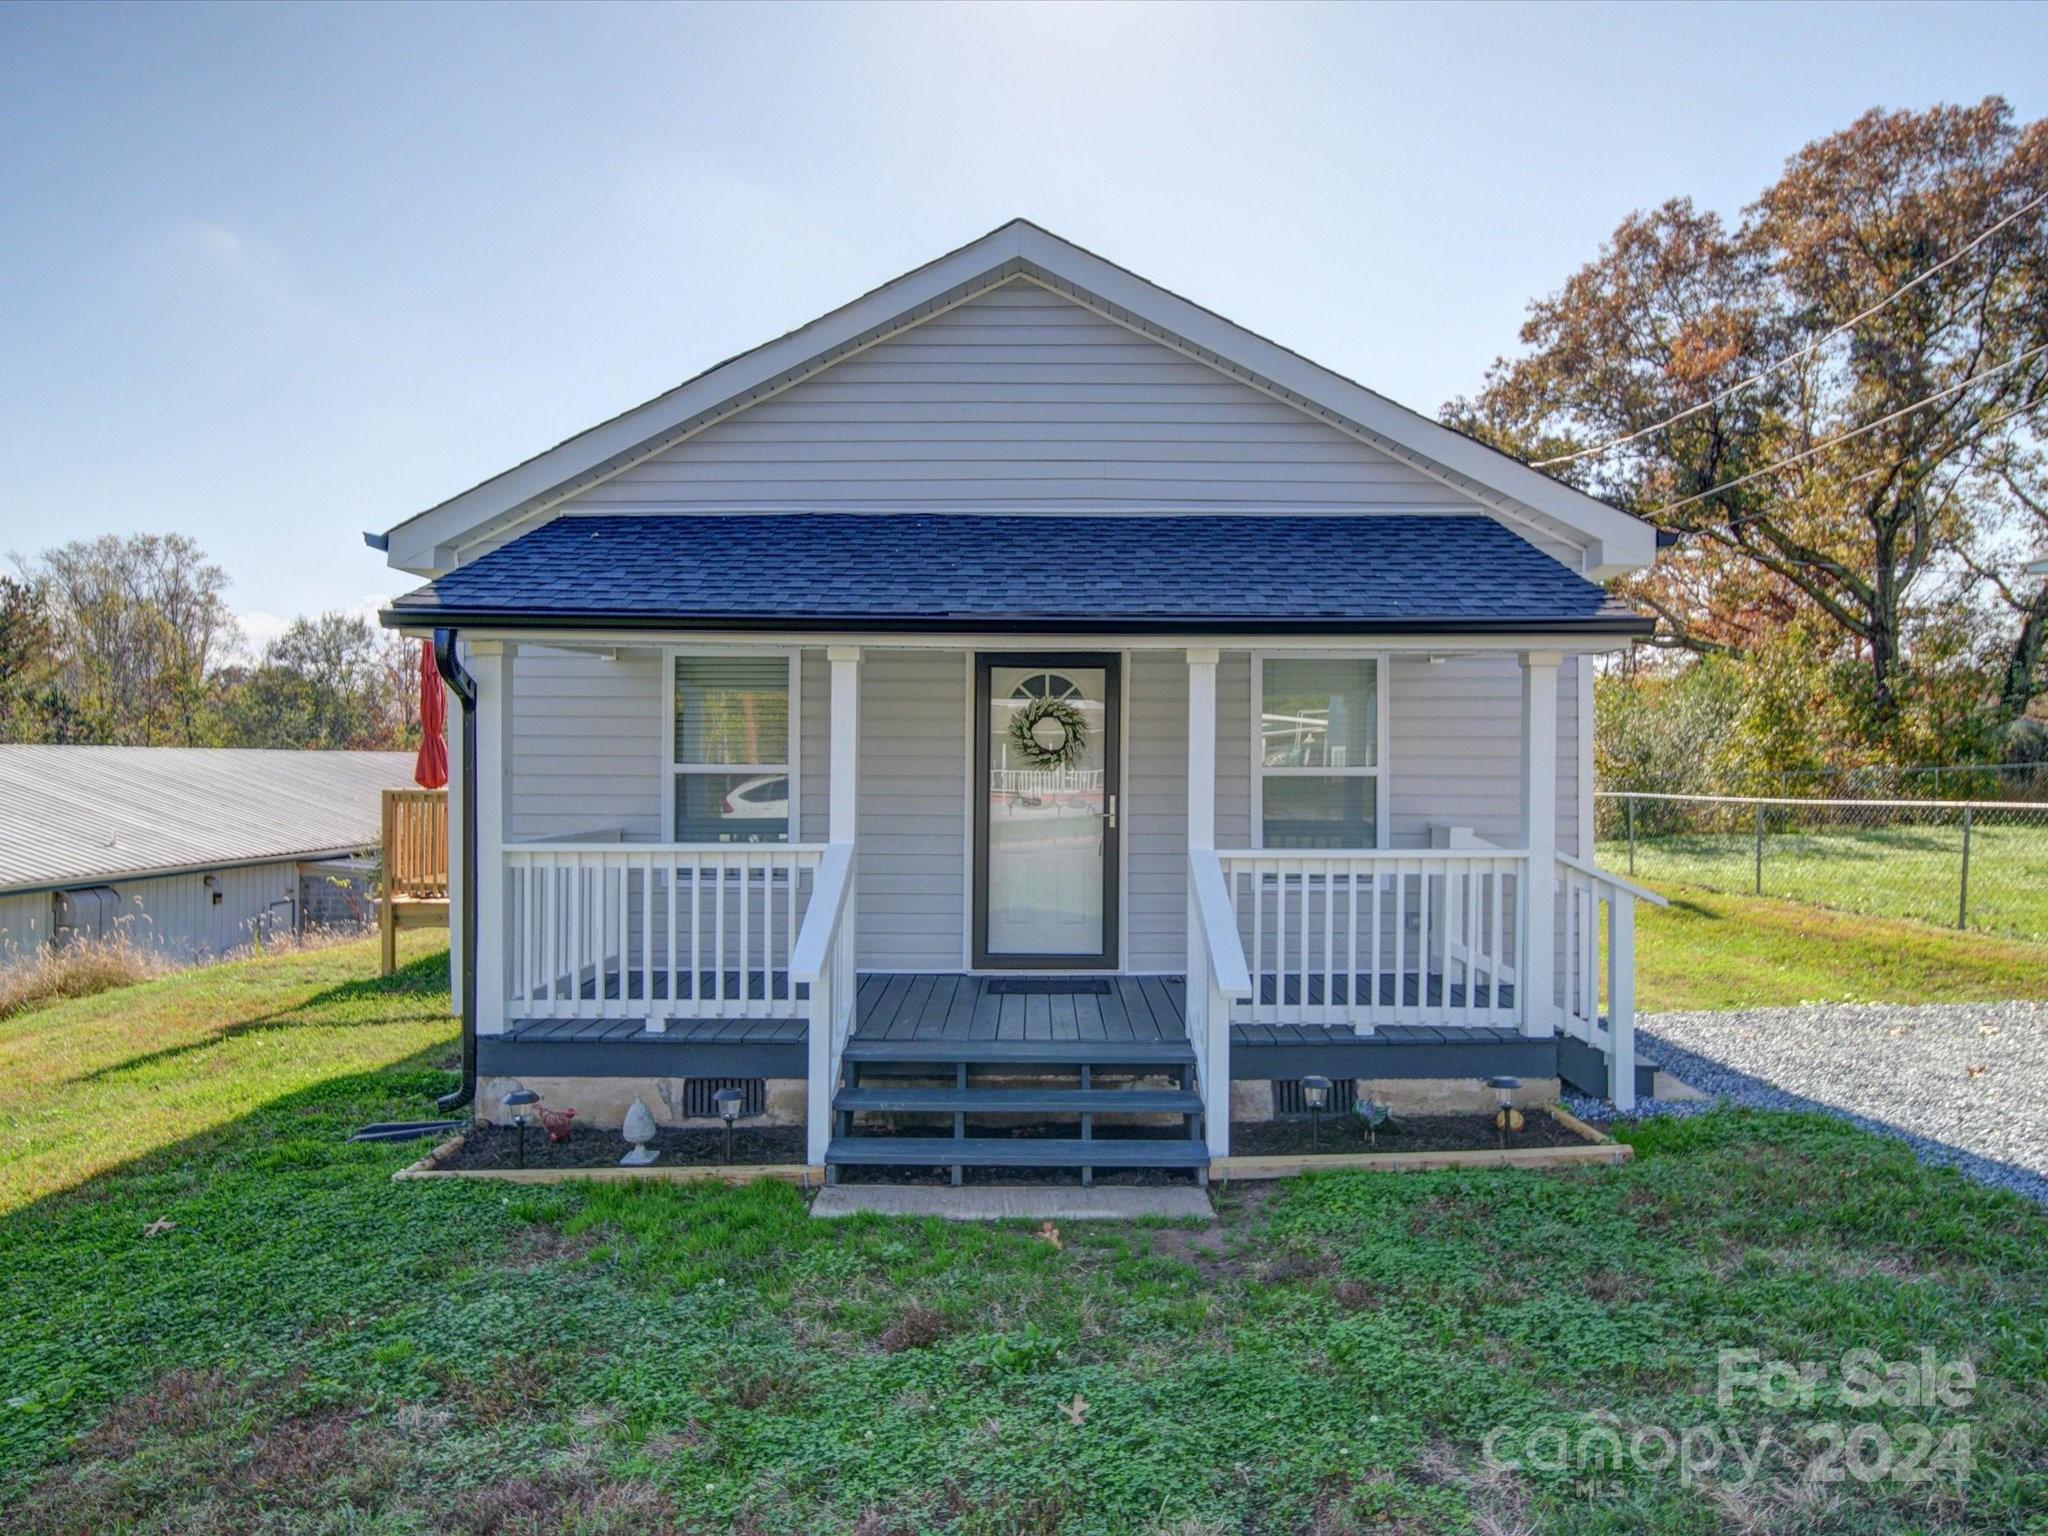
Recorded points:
(1805,351)
(1868,426)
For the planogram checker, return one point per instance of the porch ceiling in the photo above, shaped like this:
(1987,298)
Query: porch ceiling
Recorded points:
(821,572)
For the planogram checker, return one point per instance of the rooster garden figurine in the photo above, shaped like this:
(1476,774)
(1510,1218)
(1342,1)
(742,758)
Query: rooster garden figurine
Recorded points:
(558,1122)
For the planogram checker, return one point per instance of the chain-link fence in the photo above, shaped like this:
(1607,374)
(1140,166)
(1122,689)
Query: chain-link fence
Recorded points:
(1970,864)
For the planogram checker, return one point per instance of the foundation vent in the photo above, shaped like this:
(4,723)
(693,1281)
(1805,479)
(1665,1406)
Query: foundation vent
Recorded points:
(1287,1096)
(697,1093)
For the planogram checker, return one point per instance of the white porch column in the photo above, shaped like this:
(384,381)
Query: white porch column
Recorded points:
(1202,748)
(1208,1013)
(490,663)
(841,981)
(845,741)
(1537,961)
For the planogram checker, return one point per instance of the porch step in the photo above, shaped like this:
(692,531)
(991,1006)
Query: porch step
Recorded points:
(1006,1101)
(1094,1053)
(1014,1152)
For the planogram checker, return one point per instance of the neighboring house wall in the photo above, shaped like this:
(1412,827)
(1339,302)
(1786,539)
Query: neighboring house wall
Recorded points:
(173,915)
(24,925)
(1022,398)
(586,744)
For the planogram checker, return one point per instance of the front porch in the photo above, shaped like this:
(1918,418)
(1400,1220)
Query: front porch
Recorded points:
(1462,941)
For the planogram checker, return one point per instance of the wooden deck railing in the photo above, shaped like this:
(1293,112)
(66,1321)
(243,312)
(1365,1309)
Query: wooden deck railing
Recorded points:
(1598,1001)
(414,841)
(1379,936)
(649,930)
(822,962)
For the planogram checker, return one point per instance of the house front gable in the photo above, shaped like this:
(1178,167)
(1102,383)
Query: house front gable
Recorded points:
(1021,374)
(1021,399)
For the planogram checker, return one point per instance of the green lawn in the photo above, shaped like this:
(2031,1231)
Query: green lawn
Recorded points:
(1910,872)
(1714,951)
(308,1347)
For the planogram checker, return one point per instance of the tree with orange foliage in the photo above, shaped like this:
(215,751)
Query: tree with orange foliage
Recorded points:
(1640,384)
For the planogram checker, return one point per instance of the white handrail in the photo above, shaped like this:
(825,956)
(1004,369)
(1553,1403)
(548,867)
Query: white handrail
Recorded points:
(1640,892)
(1607,1025)
(1227,966)
(829,890)
(823,961)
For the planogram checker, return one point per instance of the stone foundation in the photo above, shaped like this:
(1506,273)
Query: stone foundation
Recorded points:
(1451,1095)
(602,1102)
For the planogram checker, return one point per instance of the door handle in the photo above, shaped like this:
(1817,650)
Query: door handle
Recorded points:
(1112,813)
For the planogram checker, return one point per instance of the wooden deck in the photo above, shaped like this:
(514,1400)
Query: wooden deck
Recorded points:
(988,1019)
(695,1031)
(1106,1010)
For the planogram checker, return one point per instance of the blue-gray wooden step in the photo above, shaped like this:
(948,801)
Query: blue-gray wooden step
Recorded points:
(1065,1053)
(1015,1152)
(1010,1101)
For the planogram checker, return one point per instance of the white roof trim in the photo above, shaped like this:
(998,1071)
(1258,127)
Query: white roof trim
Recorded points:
(428,542)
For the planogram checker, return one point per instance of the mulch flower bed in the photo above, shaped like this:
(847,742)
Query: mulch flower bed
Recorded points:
(497,1146)
(1408,1133)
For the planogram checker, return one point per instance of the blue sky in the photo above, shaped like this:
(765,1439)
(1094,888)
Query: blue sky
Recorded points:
(273,275)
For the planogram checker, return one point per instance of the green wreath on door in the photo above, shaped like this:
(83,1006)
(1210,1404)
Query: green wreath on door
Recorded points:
(1048,733)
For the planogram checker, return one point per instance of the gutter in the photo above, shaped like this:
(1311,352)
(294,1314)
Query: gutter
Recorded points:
(80,881)
(1004,624)
(449,665)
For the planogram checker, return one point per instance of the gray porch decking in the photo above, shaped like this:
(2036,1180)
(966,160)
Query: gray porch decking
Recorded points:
(1113,1018)
(1107,1010)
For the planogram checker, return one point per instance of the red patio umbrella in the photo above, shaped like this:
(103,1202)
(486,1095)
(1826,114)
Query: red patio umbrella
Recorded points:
(431,772)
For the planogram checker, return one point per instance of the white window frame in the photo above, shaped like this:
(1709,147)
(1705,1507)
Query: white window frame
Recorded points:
(671,770)
(1383,796)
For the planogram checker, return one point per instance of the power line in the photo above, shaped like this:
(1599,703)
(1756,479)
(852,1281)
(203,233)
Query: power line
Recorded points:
(1806,351)
(1868,426)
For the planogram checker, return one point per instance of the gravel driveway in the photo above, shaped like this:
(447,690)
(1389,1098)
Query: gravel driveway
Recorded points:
(1965,1084)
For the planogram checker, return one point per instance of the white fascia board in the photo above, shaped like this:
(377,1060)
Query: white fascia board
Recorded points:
(1626,542)
(1422,643)
(431,542)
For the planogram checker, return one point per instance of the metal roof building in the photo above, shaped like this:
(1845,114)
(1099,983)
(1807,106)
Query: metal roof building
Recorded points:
(191,850)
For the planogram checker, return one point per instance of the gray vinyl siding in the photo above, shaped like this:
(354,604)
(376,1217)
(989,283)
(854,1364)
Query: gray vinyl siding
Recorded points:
(1023,398)
(911,871)
(587,759)
(586,744)
(1155,812)
(814,755)
(1456,749)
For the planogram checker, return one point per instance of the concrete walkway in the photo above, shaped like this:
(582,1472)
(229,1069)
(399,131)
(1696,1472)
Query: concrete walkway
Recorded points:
(1016,1202)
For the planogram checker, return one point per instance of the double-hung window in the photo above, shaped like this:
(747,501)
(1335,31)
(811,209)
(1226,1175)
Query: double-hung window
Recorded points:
(731,747)
(1318,779)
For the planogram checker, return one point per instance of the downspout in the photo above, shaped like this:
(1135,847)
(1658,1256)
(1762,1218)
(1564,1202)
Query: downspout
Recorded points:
(464,688)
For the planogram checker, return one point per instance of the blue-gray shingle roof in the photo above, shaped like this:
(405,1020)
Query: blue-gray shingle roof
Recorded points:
(813,571)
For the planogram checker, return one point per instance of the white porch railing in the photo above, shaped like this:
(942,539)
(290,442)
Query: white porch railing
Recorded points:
(1380,936)
(1218,982)
(823,962)
(643,930)
(1588,891)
